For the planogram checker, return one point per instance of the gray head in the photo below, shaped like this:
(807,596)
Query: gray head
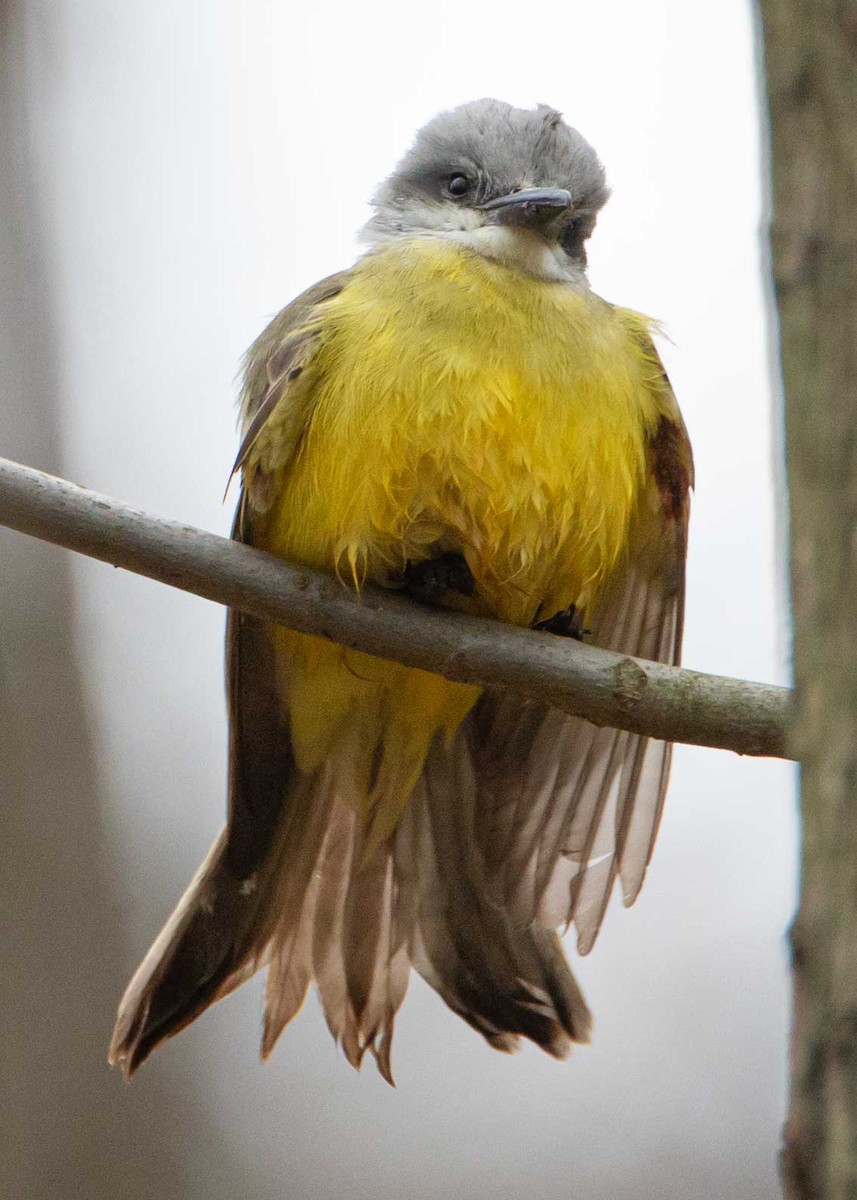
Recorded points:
(487,167)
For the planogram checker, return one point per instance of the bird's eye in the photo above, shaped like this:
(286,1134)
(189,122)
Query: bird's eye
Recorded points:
(458,185)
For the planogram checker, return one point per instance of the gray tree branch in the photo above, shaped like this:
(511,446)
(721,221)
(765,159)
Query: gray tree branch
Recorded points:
(605,688)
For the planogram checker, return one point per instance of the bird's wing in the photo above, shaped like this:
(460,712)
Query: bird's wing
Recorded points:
(563,805)
(277,397)
(221,929)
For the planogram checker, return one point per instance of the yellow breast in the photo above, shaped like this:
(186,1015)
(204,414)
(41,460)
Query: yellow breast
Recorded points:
(463,404)
(456,404)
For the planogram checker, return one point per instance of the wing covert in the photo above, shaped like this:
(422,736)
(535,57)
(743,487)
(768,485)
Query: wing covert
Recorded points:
(277,396)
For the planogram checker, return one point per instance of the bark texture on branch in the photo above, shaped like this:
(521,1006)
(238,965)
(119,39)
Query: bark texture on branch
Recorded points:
(603,687)
(811,69)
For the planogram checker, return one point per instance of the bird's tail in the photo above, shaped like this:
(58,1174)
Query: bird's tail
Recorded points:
(506,979)
(326,906)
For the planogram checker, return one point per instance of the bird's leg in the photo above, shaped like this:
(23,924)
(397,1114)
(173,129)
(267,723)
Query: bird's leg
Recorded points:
(567,623)
(429,579)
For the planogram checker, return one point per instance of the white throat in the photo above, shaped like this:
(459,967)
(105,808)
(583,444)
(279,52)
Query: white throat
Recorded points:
(523,250)
(515,247)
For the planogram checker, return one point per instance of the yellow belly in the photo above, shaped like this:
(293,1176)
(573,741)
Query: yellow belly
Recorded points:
(458,405)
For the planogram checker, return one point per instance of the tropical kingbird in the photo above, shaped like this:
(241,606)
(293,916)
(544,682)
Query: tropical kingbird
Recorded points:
(458,416)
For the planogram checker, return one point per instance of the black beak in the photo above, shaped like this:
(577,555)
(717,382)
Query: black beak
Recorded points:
(529,206)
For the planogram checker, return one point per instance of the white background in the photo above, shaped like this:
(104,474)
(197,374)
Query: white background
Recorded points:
(196,165)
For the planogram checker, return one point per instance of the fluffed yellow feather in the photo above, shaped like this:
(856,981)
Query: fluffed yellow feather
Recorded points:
(448,424)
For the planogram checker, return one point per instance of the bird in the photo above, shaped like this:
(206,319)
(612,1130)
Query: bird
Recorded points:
(460,418)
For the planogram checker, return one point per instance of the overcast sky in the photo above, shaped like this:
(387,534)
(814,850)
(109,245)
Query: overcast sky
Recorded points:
(199,163)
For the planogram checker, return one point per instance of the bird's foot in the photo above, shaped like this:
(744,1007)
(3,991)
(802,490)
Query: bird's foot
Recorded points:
(427,580)
(567,623)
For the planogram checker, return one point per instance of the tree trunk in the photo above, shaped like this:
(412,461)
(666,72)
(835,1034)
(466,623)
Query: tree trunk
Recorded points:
(811,69)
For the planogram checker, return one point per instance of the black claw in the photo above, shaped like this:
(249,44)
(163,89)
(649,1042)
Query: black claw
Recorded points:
(568,623)
(429,579)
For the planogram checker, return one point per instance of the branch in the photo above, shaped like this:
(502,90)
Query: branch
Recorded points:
(603,687)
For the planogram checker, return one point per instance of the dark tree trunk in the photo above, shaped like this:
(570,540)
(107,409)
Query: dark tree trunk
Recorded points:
(811,70)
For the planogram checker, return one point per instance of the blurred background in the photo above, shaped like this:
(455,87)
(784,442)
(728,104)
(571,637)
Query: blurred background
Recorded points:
(172,173)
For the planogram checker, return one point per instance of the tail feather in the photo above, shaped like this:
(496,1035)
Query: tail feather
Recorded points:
(505,979)
(341,934)
(328,960)
(317,908)
(366,950)
(211,944)
(290,950)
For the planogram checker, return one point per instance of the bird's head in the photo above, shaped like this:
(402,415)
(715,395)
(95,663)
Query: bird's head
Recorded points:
(514,184)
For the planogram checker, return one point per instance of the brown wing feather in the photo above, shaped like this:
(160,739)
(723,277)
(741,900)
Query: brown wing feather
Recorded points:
(563,806)
(220,931)
(273,370)
(218,934)
(268,357)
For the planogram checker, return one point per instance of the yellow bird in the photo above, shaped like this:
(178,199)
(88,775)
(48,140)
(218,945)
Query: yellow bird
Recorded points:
(460,417)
